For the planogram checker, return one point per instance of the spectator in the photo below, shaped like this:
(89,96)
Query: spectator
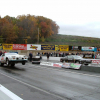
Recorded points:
(40,57)
(47,56)
(0,53)
(30,56)
(56,54)
(51,53)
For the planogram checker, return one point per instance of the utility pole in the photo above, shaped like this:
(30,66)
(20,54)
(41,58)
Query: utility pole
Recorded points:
(38,35)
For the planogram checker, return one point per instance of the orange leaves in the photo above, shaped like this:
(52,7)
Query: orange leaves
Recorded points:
(12,28)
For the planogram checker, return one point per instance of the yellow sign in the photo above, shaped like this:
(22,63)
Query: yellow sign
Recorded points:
(63,47)
(56,47)
(1,47)
(7,46)
(33,47)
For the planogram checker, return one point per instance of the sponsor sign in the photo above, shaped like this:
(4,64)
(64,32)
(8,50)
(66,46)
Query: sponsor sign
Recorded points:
(95,49)
(19,46)
(57,65)
(7,46)
(75,66)
(63,47)
(95,61)
(1,47)
(75,48)
(56,47)
(33,47)
(87,48)
(47,47)
(66,65)
(98,48)
(46,63)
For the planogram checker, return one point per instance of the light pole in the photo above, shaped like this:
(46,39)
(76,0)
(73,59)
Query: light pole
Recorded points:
(38,35)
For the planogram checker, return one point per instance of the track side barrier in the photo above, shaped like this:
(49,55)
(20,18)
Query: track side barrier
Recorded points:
(74,66)
(62,65)
(95,61)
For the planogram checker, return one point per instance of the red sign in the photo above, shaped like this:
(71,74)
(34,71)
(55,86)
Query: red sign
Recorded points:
(19,46)
(90,48)
(96,61)
(56,65)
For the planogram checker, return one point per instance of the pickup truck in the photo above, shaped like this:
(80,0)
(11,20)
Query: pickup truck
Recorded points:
(11,58)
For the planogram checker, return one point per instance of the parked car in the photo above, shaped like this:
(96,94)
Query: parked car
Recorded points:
(36,60)
(75,59)
(12,58)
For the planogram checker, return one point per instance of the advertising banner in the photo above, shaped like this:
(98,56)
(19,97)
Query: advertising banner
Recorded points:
(95,61)
(87,48)
(7,46)
(57,64)
(95,49)
(33,47)
(98,48)
(46,63)
(19,46)
(71,65)
(74,48)
(47,47)
(63,47)
(56,47)
(1,47)
(66,65)
(75,66)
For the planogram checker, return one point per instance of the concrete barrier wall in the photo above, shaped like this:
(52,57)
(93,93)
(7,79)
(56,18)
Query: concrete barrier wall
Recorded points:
(91,69)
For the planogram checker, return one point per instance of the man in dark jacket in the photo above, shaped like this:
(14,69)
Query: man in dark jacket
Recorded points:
(0,53)
(30,56)
(47,56)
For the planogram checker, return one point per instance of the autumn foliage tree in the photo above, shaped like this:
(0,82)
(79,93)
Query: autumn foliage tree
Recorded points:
(8,31)
(15,30)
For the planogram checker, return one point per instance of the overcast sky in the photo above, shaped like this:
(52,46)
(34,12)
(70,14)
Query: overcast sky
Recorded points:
(75,17)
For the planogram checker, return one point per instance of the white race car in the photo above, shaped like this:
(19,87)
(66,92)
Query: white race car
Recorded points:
(12,58)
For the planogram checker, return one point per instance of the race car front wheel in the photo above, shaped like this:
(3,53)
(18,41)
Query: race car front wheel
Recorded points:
(2,64)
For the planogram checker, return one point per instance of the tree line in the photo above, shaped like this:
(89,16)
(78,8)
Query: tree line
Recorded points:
(24,29)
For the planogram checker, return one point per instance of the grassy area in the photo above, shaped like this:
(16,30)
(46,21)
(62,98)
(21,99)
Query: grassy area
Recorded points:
(72,40)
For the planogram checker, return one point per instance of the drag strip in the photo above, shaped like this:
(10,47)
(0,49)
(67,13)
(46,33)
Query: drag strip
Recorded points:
(31,86)
(56,82)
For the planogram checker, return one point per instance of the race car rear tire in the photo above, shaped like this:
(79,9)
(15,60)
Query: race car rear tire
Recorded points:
(23,63)
(7,62)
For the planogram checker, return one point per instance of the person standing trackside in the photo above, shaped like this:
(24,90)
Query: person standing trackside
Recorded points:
(47,56)
(30,56)
(0,53)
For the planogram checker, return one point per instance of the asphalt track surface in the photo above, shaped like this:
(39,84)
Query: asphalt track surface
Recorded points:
(35,82)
